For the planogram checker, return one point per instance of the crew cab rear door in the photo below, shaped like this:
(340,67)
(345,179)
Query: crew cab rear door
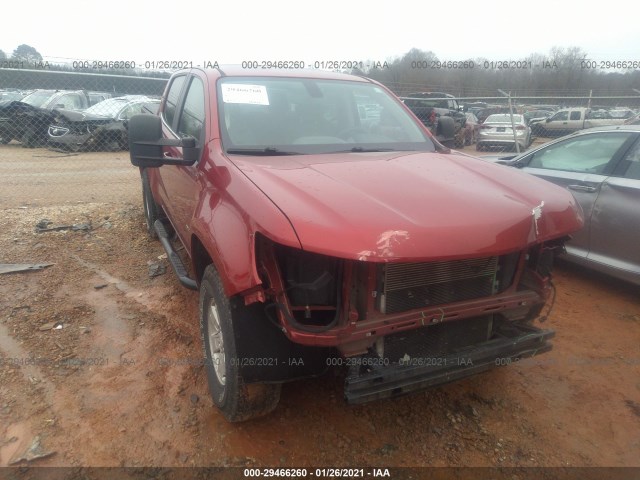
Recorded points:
(183,114)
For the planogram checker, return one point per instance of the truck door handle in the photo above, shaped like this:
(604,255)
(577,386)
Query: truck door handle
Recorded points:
(582,188)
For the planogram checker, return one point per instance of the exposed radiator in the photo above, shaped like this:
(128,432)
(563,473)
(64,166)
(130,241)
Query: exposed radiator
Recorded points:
(407,286)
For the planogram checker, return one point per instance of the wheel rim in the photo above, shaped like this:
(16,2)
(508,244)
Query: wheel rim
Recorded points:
(216,342)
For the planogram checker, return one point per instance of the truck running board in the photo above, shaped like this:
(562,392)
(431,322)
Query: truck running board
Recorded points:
(174,258)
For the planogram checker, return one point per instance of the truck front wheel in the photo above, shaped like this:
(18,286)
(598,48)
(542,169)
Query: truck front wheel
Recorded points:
(237,400)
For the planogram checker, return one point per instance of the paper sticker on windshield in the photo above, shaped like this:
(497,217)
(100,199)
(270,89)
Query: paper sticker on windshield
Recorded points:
(242,93)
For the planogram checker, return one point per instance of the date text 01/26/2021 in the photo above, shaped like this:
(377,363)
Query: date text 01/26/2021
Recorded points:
(318,472)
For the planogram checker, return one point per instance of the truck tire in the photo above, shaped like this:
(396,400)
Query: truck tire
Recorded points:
(29,138)
(152,211)
(447,131)
(459,138)
(236,400)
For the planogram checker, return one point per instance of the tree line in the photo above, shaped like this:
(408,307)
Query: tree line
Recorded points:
(561,72)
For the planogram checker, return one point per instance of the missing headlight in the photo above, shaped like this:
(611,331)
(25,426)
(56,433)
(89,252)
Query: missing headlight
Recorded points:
(312,284)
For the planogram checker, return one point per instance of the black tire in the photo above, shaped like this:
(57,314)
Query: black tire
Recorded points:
(152,211)
(29,138)
(447,131)
(236,400)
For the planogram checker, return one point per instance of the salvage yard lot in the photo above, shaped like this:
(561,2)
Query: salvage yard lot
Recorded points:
(120,382)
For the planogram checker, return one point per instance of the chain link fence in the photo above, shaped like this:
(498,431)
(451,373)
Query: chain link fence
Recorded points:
(63,134)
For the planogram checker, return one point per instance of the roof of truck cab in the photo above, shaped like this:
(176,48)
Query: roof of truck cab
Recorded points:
(234,71)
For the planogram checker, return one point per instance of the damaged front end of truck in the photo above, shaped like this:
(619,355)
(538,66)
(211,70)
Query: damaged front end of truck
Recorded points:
(410,325)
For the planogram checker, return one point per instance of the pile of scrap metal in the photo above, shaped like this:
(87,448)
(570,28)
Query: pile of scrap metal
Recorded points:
(63,119)
(103,126)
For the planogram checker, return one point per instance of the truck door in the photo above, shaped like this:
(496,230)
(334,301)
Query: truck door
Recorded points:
(179,183)
(557,122)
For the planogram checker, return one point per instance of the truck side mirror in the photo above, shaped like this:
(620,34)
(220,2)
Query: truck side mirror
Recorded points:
(146,142)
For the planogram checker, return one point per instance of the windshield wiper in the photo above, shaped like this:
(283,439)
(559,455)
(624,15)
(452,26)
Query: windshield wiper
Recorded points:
(366,150)
(260,151)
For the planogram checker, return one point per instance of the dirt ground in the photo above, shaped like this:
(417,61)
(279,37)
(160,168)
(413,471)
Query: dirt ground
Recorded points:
(99,362)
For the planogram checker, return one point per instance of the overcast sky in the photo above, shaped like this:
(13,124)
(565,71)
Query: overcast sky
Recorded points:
(232,31)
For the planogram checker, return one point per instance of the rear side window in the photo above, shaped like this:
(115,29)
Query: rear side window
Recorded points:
(193,116)
(173,96)
(575,116)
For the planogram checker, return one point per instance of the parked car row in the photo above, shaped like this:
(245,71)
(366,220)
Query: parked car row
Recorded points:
(495,130)
(100,127)
(71,119)
(569,120)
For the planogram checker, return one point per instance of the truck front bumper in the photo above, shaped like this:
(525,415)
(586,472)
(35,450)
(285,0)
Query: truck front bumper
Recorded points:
(365,384)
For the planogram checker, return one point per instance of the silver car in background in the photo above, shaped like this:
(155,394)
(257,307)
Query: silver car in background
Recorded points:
(601,168)
(497,131)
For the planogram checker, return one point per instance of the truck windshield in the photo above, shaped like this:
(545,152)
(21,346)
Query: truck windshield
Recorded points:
(275,116)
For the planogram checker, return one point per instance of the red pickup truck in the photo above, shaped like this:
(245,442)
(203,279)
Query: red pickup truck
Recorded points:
(325,226)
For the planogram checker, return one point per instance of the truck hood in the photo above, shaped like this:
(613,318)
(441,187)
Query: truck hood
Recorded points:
(411,206)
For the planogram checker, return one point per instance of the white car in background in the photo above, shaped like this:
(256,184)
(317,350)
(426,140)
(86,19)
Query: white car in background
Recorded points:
(498,131)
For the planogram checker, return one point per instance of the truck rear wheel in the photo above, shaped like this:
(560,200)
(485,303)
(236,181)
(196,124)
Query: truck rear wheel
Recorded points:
(447,131)
(237,400)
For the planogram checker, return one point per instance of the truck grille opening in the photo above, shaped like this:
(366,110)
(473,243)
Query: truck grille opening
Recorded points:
(434,341)
(408,286)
